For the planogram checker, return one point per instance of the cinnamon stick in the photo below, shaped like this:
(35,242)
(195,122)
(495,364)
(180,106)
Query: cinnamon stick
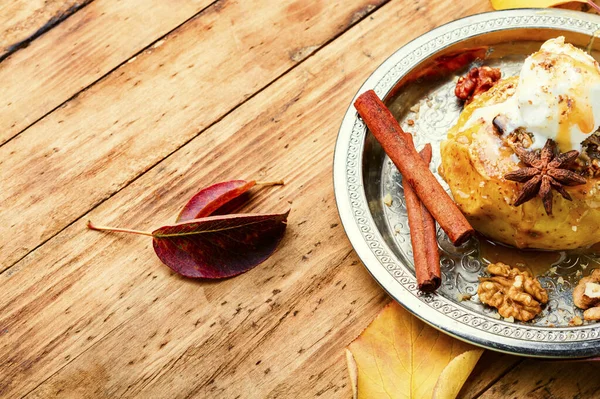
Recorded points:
(390,135)
(423,235)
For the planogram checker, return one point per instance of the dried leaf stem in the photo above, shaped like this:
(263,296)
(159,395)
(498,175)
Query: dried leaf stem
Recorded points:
(91,226)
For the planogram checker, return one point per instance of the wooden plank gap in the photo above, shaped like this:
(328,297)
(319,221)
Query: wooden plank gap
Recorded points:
(493,381)
(99,79)
(52,23)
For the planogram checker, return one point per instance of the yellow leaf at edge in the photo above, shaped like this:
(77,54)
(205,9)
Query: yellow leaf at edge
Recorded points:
(506,4)
(353,371)
(399,356)
(455,374)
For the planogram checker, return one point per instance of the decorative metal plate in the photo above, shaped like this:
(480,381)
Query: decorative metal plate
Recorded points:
(363,175)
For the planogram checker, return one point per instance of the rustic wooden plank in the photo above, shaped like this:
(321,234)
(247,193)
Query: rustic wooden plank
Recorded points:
(114,321)
(24,20)
(548,379)
(101,140)
(491,367)
(79,51)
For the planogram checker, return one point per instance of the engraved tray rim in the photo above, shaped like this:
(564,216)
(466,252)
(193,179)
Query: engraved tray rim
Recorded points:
(434,309)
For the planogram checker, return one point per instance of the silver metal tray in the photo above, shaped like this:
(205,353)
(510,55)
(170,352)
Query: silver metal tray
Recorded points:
(363,175)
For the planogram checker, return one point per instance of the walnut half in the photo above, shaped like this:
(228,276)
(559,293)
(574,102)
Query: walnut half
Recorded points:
(513,292)
(591,304)
(476,81)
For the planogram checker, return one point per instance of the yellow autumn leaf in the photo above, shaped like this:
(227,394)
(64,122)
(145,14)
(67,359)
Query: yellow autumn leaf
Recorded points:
(506,4)
(455,374)
(399,356)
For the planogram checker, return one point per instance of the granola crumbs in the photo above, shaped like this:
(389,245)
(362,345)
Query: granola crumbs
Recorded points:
(388,199)
(463,297)
(576,321)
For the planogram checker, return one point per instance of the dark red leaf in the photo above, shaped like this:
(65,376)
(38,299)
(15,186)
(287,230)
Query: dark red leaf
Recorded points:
(209,246)
(219,246)
(210,199)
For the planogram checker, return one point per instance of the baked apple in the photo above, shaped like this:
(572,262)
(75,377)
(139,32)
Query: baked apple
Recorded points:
(522,161)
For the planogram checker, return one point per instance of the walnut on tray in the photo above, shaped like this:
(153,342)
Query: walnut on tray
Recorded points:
(476,81)
(589,161)
(587,296)
(513,292)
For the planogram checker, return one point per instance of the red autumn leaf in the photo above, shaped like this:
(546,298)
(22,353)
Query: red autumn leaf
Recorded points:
(204,246)
(220,198)
(210,199)
(219,246)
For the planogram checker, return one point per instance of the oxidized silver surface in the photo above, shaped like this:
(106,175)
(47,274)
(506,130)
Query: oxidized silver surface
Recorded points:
(363,175)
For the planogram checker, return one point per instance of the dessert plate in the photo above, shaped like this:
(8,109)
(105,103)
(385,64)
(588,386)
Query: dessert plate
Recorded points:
(417,83)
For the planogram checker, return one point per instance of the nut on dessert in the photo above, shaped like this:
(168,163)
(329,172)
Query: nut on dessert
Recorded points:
(477,81)
(586,295)
(513,292)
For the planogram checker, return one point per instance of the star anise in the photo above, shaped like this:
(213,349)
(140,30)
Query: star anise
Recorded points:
(545,171)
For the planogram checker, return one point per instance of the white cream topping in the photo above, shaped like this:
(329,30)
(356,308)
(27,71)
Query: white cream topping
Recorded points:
(557,97)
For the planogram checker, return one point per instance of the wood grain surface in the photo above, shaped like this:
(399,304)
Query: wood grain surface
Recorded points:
(22,21)
(104,138)
(245,89)
(79,51)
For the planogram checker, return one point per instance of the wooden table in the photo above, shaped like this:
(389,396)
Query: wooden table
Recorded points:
(118,111)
